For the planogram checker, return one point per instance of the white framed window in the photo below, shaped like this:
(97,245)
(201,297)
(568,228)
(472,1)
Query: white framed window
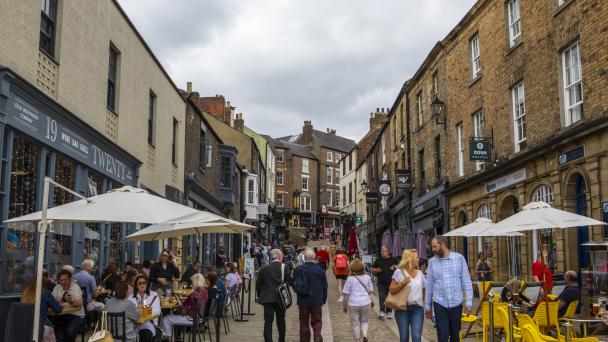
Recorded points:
(280,180)
(478,127)
(338,157)
(543,193)
(475,56)
(337,198)
(330,174)
(460,138)
(434,89)
(305,203)
(560,2)
(250,191)
(573,84)
(419,110)
(330,198)
(305,166)
(305,183)
(383,140)
(519,115)
(280,156)
(337,175)
(330,157)
(514,21)
(484,211)
(279,200)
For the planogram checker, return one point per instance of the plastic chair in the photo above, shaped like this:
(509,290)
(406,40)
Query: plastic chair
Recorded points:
(503,315)
(469,319)
(530,333)
(570,311)
(485,316)
(546,316)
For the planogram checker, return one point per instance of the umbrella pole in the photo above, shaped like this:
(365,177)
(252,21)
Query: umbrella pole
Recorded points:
(42,227)
(200,248)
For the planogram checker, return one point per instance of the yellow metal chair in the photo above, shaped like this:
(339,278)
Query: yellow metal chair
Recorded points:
(546,316)
(469,319)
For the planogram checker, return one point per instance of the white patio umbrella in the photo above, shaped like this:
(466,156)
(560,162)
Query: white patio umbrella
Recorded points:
(479,228)
(167,230)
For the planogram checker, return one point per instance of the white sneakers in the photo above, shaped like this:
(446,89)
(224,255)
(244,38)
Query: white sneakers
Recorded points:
(341,299)
(382,315)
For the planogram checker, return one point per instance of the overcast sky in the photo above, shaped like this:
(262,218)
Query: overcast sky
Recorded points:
(281,62)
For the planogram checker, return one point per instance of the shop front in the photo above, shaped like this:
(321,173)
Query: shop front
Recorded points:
(428,218)
(400,216)
(41,138)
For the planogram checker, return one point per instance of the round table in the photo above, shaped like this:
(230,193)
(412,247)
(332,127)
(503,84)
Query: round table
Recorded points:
(584,320)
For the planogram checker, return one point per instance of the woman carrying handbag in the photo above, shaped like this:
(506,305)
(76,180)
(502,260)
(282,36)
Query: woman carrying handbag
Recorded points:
(357,301)
(408,282)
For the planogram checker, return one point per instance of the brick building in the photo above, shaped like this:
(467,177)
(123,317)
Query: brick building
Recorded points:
(530,76)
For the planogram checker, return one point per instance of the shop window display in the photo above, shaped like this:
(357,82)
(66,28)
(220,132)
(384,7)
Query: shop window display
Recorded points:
(20,237)
(92,231)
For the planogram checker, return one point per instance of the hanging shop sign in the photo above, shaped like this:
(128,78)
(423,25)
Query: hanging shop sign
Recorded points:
(54,132)
(480,150)
(384,188)
(503,182)
(372,197)
(571,155)
(359,220)
(403,179)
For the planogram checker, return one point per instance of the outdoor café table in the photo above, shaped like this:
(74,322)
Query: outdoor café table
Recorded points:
(584,320)
(183,292)
(102,293)
(65,311)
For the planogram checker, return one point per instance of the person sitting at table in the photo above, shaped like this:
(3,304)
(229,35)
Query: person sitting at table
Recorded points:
(163,272)
(68,293)
(86,280)
(142,296)
(192,270)
(111,276)
(511,287)
(46,302)
(188,308)
(129,278)
(570,293)
(121,303)
(146,267)
(232,275)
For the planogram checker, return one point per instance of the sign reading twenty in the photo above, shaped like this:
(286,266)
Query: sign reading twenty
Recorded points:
(481,150)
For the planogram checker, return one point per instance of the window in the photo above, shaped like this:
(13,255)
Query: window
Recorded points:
(280,180)
(560,2)
(344,194)
(112,72)
(225,172)
(330,157)
(350,162)
(330,172)
(419,110)
(514,21)
(421,168)
(475,60)
(330,198)
(383,141)
(205,149)
(338,157)
(151,112)
(337,198)
(305,166)
(403,121)
(174,142)
(435,86)
(519,115)
(280,156)
(543,193)
(305,203)
(460,134)
(478,127)
(373,165)
(438,158)
(344,165)
(279,200)
(305,183)
(337,175)
(250,191)
(484,211)
(48,26)
(573,84)
(350,193)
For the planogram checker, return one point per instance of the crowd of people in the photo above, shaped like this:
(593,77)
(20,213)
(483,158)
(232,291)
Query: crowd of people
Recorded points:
(64,304)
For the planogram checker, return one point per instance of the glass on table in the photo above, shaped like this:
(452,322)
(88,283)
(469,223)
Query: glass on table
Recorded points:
(515,297)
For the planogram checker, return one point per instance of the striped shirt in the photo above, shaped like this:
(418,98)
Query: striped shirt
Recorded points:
(448,281)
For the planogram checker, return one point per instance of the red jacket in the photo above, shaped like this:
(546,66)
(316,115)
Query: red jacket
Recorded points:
(323,256)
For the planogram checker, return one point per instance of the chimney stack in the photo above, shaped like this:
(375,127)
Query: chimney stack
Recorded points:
(189,87)
(377,118)
(307,133)
(239,123)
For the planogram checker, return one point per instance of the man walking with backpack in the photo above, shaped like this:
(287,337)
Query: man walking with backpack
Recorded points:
(310,284)
(340,268)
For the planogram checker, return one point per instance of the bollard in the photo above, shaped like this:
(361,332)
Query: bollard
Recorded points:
(510,308)
(567,327)
(491,309)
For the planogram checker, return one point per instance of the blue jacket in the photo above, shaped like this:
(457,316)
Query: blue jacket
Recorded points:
(318,285)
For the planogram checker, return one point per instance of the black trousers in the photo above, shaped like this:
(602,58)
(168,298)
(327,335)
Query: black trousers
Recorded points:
(270,310)
(447,322)
(145,335)
(382,294)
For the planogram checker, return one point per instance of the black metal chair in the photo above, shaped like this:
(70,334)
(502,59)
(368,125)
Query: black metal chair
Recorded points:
(84,306)
(19,322)
(5,306)
(195,328)
(117,325)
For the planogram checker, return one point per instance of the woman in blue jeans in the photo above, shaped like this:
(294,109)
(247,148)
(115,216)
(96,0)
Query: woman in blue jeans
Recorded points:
(407,274)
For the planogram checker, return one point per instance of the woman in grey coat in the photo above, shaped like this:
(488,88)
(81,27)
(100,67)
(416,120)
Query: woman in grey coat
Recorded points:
(120,303)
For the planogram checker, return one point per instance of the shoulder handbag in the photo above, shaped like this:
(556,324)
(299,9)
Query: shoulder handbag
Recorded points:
(398,301)
(365,288)
(283,290)
(101,333)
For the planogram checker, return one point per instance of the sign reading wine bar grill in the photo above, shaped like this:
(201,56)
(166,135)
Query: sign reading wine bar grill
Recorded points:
(53,132)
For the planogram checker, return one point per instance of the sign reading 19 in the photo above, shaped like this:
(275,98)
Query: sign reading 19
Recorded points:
(51,129)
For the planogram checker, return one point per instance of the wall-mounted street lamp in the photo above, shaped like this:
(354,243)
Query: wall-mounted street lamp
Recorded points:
(437,110)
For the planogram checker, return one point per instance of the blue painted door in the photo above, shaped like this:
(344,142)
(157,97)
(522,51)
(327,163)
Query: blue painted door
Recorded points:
(582,233)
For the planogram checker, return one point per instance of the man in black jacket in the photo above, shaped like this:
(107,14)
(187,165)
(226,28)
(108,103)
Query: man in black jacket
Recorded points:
(269,279)
(310,305)
(194,269)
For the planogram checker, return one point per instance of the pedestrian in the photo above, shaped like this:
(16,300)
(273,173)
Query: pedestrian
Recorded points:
(449,286)
(323,257)
(357,299)
(484,268)
(267,282)
(383,268)
(340,268)
(163,272)
(541,272)
(310,285)
(409,321)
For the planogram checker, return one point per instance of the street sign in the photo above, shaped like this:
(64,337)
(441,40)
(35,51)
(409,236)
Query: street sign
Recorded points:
(372,197)
(384,188)
(573,154)
(359,220)
(404,179)
(481,150)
